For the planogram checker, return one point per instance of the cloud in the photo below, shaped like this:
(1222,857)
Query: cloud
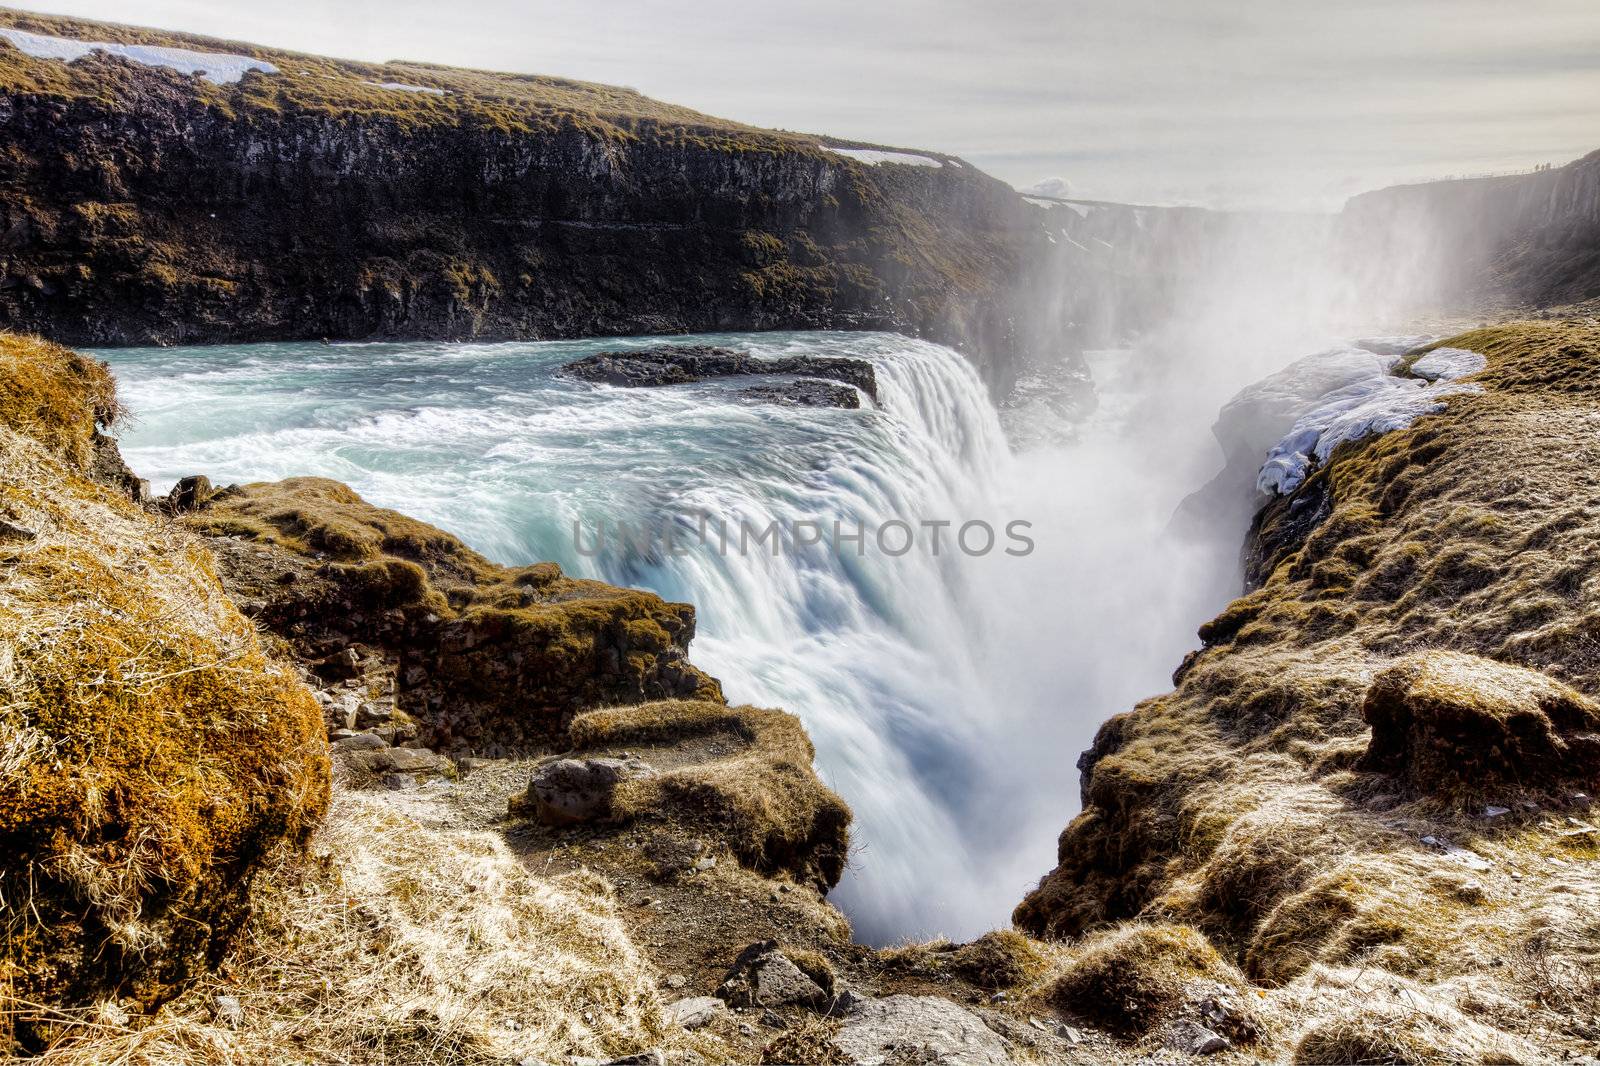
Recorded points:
(1058,187)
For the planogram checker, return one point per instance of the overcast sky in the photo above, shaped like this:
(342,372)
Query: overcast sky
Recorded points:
(1277,103)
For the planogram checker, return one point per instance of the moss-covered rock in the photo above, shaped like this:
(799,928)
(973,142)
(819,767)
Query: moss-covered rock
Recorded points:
(1444,720)
(151,755)
(743,775)
(488,658)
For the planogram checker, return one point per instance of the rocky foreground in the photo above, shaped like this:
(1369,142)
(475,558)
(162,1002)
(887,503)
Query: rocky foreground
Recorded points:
(431,809)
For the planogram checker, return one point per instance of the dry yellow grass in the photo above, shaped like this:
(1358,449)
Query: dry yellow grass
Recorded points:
(406,942)
(1253,802)
(151,755)
(55,396)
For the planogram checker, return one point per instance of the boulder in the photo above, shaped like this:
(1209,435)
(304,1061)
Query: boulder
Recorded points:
(920,1029)
(571,791)
(190,493)
(763,976)
(1445,720)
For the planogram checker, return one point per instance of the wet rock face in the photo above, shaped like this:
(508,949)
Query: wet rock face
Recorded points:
(1445,720)
(805,393)
(685,364)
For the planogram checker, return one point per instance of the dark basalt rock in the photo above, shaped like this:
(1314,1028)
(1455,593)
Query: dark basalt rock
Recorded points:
(688,363)
(806,392)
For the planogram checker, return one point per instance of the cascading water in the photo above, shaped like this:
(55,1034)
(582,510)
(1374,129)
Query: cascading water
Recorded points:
(947,694)
(877,653)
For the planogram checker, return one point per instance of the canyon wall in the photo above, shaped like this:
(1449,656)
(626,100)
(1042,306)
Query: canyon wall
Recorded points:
(1530,240)
(142,205)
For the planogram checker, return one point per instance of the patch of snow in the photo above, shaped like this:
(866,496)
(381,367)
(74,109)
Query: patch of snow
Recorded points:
(402,87)
(1261,413)
(1393,344)
(220,68)
(1372,402)
(872,157)
(1448,364)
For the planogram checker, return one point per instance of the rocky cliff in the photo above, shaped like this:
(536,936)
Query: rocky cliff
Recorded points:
(346,200)
(1530,240)
(1369,796)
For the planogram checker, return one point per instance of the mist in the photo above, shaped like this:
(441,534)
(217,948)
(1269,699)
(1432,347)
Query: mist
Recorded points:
(1139,518)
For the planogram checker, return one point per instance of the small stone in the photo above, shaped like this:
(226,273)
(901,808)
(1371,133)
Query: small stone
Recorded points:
(371,714)
(1071,1035)
(999,997)
(696,1011)
(361,742)
(228,1012)
(1492,811)
(773,1020)
(676,980)
(1195,1039)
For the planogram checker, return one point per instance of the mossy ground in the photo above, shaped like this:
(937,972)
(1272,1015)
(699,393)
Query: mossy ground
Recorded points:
(1240,803)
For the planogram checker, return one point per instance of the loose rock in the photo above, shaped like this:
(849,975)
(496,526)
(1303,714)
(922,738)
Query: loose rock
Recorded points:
(696,1011)
(763,976)
(571,791)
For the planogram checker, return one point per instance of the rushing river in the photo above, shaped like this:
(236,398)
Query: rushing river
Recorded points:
(947,694)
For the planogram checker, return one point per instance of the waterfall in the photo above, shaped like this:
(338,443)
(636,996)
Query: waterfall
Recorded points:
(879,655)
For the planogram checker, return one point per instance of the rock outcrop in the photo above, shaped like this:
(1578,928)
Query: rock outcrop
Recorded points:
(685,364)
(153,756)
(481,657)
(1442,720)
